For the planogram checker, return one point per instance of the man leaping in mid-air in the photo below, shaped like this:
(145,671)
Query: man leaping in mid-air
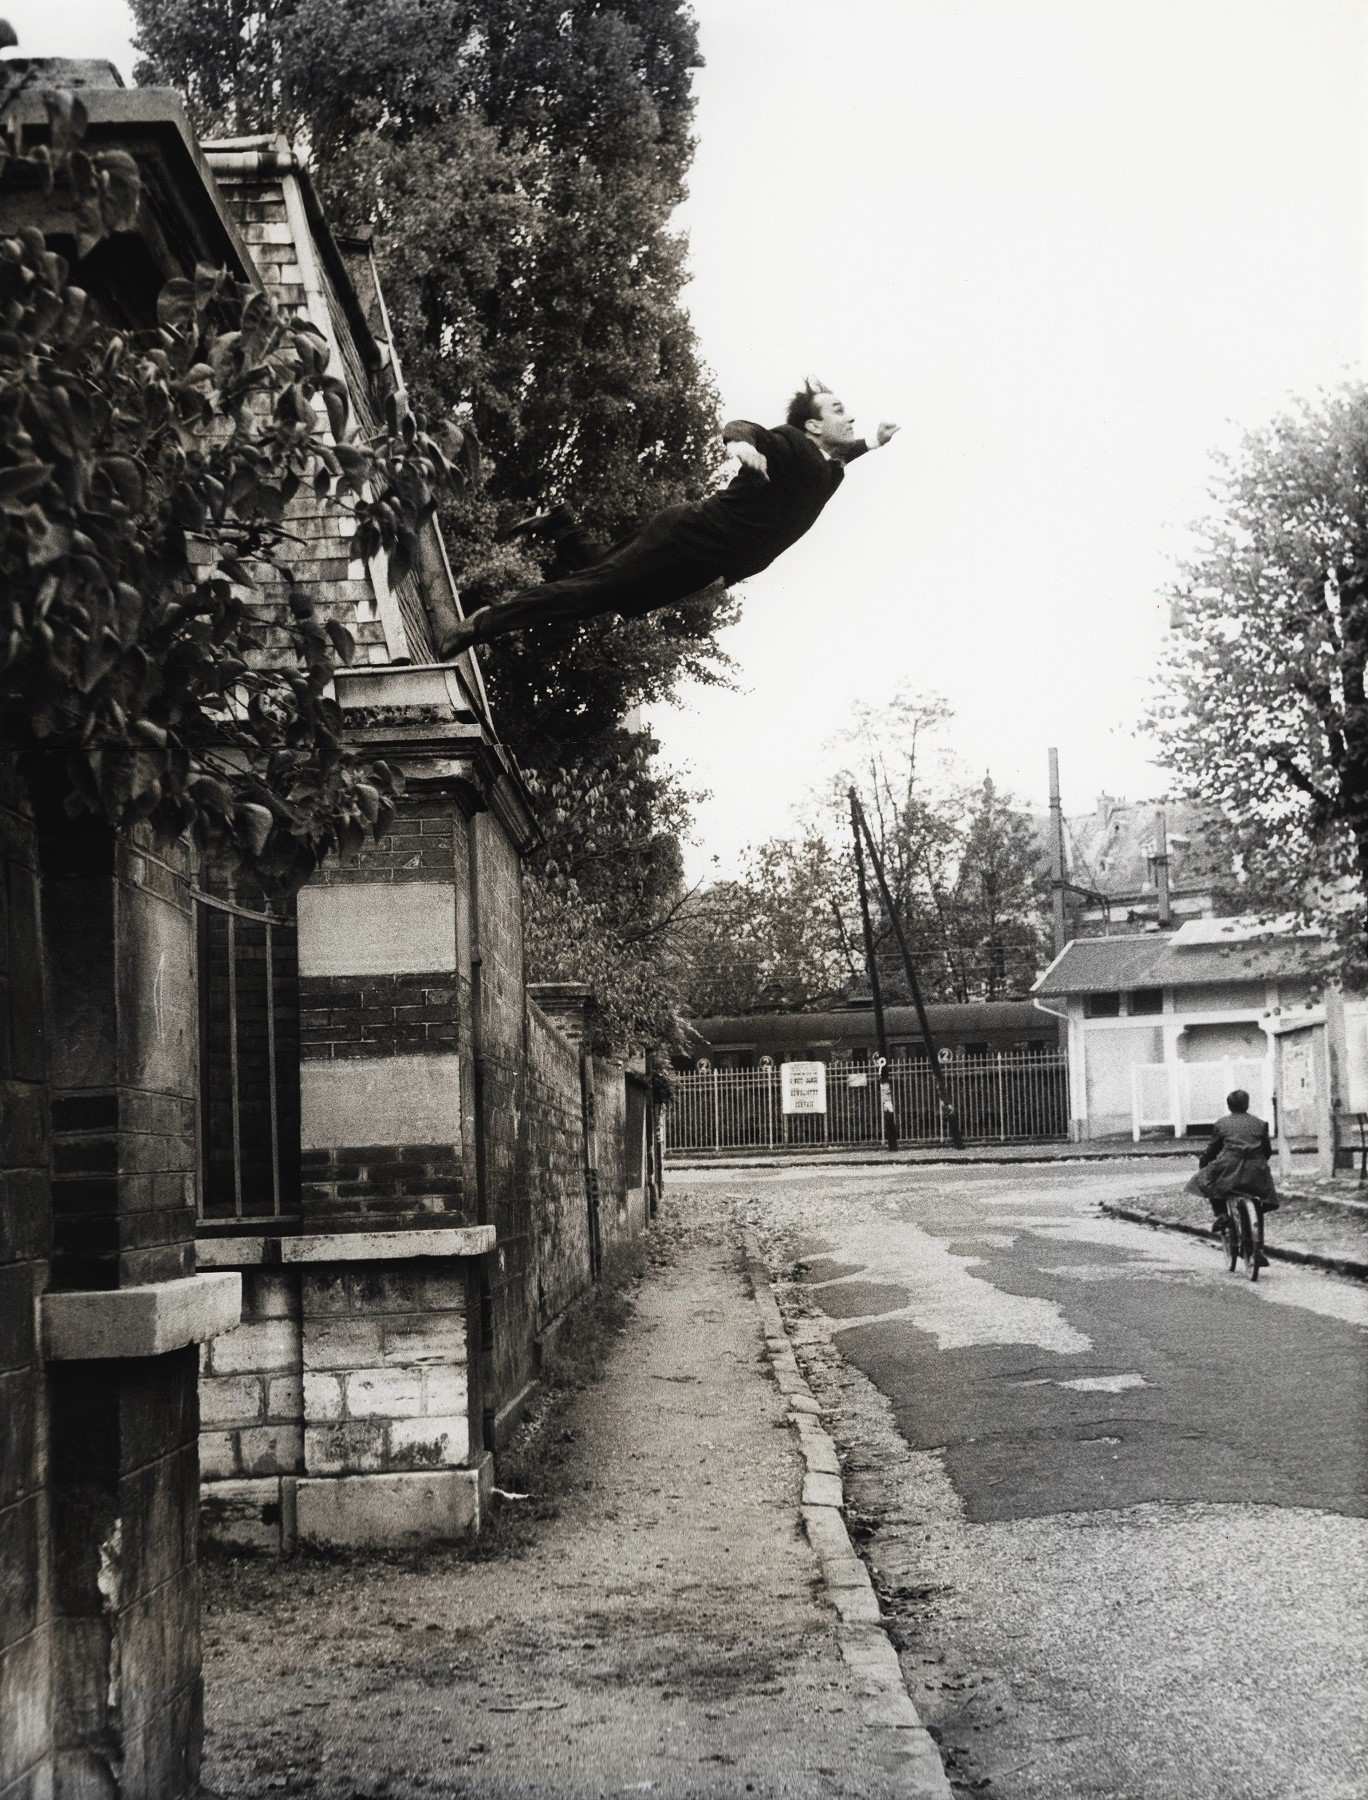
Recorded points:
(786,477)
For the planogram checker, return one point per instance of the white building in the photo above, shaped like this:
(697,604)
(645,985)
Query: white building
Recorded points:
(1161,1026)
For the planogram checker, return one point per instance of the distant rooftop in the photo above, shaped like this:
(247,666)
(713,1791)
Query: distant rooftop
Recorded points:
(1199,953)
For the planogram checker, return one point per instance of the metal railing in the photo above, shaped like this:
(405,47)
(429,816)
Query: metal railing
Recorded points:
(249,1062)
(1011,1097)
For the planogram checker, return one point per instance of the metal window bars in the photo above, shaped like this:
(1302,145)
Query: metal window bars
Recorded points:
(249,1065)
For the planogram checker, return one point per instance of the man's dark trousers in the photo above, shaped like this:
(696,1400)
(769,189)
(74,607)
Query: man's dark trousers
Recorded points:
(645,571)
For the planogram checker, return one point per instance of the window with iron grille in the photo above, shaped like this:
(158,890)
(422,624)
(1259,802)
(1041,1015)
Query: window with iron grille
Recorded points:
(249,1061)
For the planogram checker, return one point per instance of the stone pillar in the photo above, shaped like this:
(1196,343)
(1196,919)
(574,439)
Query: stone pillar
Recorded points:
(388,1250)
(25,1588)
(122,1315)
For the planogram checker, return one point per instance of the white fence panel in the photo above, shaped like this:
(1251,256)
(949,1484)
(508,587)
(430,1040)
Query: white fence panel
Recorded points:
(1179,1095)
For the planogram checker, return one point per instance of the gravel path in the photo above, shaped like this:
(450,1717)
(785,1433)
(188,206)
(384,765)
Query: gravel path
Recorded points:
(654,1628)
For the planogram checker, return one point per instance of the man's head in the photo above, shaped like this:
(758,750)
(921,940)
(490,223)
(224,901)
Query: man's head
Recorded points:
(814,409)
(1238,1101)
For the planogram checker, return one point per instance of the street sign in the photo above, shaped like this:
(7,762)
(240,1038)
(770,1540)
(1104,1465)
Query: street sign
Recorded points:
(803,1087)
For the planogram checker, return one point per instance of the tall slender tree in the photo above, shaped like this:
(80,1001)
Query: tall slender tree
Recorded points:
(1262,710)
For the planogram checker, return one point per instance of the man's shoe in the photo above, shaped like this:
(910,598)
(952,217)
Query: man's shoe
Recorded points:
(1272,1205)
(1260,1259)
(459,638)
(1218,1227)
(555,519)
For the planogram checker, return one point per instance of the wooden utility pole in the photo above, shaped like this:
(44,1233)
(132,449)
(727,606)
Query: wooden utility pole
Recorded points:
(888,1116)
(914,986)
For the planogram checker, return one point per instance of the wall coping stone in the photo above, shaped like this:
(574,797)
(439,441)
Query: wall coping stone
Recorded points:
(230,1252)
(388,1246)
(151,1319)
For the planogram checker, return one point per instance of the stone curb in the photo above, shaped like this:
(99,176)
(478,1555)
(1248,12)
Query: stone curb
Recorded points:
(864,1643)
(1311,1259)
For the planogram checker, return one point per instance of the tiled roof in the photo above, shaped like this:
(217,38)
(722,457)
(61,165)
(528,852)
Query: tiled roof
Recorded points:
(1188,958)
(1103,965)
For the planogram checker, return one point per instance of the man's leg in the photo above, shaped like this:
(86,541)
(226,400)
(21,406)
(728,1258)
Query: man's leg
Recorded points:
(648,571)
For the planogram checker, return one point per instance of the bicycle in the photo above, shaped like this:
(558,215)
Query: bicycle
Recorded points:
(1244,1234)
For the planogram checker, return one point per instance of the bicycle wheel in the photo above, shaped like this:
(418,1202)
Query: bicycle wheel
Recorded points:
(1256,1240)
(1245,1233)
(1232,1235)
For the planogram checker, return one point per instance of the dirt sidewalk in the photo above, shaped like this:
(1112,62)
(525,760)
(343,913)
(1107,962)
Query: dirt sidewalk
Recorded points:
(650,1620)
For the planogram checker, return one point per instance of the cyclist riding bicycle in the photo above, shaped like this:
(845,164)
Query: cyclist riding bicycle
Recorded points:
(1235,1161)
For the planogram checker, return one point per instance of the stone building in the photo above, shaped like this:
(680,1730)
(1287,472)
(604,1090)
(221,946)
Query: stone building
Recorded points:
(294,1198)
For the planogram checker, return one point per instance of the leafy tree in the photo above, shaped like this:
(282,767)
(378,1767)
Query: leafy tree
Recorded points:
(962,866)
(520,165)
(157,663)
(605,892)
(777,939)
(993,911)
(1261,710)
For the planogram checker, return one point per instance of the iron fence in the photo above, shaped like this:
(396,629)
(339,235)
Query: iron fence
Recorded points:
(249,1062)
(1011,1097)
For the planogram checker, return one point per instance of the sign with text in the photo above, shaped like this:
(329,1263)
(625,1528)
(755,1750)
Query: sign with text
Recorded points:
(803,1087)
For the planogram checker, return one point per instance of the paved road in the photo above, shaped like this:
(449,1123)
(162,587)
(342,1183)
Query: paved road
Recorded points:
(1117,1497)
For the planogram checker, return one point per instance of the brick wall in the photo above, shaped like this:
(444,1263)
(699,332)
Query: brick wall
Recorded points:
(378,1015)
(251,1397)
(505,1123)
(610,1124)
(418,845)
(376,1186)
(25,1592)
(554,1154)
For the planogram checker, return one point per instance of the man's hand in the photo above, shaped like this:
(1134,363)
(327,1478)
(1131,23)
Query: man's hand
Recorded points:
(749,457)
(887,429)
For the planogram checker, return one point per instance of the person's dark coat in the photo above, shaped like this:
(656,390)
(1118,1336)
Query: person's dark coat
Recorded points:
(1236,1159)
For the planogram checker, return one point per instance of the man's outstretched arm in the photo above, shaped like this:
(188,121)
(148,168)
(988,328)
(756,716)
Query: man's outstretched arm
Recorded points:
(749,444)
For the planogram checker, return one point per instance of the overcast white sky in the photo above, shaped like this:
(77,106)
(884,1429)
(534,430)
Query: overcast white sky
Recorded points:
(1070,245)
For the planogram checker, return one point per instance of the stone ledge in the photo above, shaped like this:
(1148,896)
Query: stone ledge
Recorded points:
(375,1511)
(150,1320)
(229,1252)
(388,1246)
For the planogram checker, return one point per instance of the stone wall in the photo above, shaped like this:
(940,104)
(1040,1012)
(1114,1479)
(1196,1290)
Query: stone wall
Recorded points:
(251,1391)
(610,1156)
(384,1358)
(554,1152)
(500,1084)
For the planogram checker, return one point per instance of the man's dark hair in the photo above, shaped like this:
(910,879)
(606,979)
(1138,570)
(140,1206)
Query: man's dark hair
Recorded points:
(802,407)
(1238,1100)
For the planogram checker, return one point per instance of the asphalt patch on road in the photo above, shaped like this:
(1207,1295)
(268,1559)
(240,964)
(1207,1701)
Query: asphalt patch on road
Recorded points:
(861,1299)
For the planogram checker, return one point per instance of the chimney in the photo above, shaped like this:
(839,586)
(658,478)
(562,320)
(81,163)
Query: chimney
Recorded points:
(1161,869)
(1056,854)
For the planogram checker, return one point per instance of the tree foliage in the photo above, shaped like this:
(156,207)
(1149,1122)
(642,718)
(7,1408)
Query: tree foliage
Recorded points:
(157,663)
(1261,709)
(962,866)
(520,165)
(605,892)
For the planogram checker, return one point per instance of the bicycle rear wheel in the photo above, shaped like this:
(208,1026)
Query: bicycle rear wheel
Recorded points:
(1232,1235)
(1245,1232)
(1256,1235)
